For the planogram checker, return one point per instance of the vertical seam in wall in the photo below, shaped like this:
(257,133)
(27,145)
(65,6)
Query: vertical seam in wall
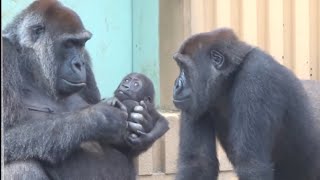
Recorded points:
(132,34)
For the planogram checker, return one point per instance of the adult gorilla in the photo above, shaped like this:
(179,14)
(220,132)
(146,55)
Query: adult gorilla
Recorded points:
(51,102)
(256,107)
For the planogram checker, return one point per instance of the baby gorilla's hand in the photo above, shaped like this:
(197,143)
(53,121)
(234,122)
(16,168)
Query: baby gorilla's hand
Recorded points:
(140,141)
(113,101)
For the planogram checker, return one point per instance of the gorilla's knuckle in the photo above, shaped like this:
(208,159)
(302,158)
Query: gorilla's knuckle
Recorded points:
(138,108)
(136,115)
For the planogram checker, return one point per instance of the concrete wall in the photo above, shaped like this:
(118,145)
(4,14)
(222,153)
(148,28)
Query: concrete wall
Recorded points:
(160,161)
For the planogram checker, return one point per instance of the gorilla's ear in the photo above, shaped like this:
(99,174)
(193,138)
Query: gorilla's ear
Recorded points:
(148,99)
(217,59)
(12,38)
(9,36)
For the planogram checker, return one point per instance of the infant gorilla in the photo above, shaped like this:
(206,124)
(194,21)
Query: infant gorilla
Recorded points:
(136,92)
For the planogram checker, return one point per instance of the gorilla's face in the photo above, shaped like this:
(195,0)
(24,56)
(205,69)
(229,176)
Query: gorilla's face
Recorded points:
(204,70)
(193,88)
(131,87)
(53,39)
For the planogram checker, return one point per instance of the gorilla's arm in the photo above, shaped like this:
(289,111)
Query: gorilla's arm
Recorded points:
(197,149)
(53,137)
(145,140)
(161,126)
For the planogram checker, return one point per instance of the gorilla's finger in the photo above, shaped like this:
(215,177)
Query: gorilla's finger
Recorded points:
(141,133)
(145,115)
(109,101)
(119,105)
(133,140)
(136,117)
(134,127)
(144,105)
(138,108)
(134,135)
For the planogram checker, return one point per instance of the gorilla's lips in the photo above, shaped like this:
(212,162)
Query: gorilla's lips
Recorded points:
(75,84)
(123,95)
(181,100)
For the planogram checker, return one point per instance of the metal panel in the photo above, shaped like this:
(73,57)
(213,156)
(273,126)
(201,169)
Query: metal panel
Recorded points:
(288,30)
(145,15)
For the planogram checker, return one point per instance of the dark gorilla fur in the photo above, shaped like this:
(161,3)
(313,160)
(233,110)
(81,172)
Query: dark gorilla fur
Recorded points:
(256,107)
(55,125)
(313,90)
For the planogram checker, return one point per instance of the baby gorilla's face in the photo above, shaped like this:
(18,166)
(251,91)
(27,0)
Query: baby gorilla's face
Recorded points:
(131,87)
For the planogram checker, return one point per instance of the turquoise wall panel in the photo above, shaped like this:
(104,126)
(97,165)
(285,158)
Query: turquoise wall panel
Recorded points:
(110,22)
(146,40)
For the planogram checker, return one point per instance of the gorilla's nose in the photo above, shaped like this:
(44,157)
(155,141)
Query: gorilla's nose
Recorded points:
(124,87)
(77,65)
(178,85)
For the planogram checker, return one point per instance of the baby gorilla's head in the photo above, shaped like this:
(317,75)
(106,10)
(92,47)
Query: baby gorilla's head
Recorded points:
(137,87)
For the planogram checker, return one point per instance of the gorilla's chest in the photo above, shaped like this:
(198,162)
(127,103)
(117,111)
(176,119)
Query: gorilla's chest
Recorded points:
(41,105)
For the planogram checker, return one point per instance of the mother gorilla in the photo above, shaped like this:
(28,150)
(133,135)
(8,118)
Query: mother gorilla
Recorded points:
(56,127)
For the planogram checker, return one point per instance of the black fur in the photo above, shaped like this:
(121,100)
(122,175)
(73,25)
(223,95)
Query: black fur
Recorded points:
(256,107)
(55,125)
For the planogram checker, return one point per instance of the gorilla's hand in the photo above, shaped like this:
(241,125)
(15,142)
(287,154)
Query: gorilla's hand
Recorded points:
(140,123)
(140,141)
(115,102)
(140,119)
(110,122)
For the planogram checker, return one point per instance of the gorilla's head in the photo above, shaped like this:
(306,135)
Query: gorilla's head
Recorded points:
(137,87)
(207,62)
(50,40)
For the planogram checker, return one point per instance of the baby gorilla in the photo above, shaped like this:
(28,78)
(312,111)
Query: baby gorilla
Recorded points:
(136,92)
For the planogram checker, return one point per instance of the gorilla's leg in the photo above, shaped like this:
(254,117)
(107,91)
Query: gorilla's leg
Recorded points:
(24,170)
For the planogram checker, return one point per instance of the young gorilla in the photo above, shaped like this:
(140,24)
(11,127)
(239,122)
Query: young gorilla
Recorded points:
(256,107)
(137,89)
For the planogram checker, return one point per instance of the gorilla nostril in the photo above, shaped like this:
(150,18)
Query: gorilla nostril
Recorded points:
(77,65)
(178,85)
(125,86)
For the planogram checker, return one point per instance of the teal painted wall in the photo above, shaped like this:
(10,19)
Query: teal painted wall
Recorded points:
(146,40)
(110,48)
(125,37)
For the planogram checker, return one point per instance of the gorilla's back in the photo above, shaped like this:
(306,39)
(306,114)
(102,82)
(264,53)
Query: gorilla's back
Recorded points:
(313,90)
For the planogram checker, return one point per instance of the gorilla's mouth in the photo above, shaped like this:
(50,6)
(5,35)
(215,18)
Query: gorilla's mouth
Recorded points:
(122,93)
(77,84)
(180,100)
(183,102)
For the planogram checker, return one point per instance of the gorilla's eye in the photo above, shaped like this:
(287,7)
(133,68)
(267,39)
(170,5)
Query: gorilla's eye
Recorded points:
(136,84)
(217,58)
(69,43)
(38,29)
(36,32)
(126,80)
